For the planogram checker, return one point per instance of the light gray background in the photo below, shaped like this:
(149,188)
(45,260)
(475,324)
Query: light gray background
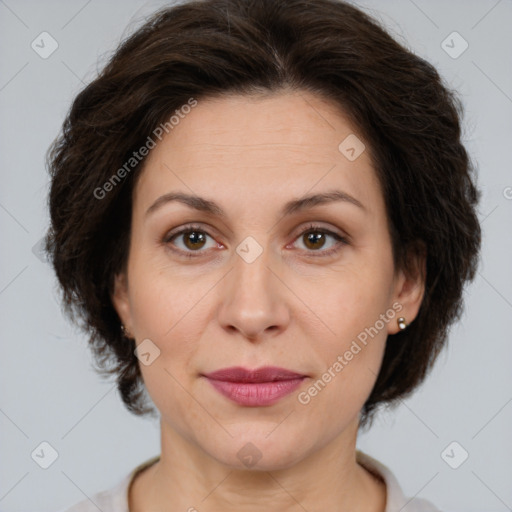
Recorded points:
(49,391)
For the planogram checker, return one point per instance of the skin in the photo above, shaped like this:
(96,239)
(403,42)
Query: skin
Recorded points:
(291,307)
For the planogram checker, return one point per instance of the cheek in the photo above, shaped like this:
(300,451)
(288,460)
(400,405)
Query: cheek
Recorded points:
(355,312)
(171,309)
(348,366)
(169,312)
(350,300)
(162,299)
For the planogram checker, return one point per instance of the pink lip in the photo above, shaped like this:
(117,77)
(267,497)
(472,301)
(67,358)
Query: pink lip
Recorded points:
(259,387)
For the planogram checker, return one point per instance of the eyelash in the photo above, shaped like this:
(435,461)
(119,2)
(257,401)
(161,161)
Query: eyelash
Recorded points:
(311,228)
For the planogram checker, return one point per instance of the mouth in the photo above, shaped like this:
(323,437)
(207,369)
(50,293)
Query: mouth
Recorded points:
(255,388)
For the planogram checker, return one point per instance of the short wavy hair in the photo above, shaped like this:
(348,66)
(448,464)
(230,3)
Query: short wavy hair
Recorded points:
(410,120)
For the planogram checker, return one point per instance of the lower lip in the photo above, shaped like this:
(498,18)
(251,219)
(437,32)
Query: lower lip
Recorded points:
(256,394)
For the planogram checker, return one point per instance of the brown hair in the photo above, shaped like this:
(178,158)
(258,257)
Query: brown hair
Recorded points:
(397,101)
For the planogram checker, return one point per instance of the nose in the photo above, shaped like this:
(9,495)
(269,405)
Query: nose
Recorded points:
(253,299)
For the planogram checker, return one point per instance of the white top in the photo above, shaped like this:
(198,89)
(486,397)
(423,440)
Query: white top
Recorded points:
(116,498)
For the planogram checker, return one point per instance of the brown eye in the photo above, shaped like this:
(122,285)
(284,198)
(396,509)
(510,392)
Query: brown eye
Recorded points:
(322,241)
(194,239)
(190,240)
(314,240)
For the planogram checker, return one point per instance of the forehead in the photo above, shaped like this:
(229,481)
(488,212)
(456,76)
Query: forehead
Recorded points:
(250,143)
(300,119)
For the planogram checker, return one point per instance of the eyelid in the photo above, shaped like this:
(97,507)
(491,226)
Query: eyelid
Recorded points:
(317,226)
(185,228)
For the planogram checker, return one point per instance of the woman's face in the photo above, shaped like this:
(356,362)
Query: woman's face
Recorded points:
(262,277)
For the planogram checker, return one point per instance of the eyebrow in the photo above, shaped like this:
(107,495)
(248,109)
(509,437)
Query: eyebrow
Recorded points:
(293,206)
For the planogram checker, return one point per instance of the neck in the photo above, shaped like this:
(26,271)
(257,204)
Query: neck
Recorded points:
(185,478)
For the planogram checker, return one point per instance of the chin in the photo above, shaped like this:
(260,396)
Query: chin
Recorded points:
(259,451)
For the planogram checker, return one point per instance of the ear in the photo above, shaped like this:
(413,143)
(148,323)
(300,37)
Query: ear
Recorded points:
(410,287)
(120,300)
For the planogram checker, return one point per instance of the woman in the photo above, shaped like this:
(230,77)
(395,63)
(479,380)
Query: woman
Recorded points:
(263,215)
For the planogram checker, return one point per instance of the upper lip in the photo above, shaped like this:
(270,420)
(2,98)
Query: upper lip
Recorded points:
(263,374)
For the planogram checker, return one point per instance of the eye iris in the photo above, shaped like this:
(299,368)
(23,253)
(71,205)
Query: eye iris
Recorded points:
(194,239)
(313,238)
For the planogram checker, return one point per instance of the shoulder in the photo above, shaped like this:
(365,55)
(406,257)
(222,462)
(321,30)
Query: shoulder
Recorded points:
(114,499)
(396,500)
(109,500)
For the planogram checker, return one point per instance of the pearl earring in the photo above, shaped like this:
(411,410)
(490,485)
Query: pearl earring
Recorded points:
(402,324)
